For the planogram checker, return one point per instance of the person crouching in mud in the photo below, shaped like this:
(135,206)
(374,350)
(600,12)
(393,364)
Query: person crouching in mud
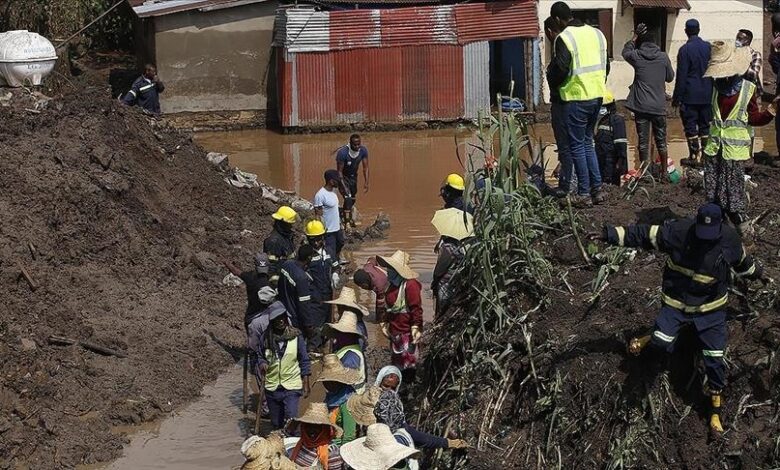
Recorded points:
(403,320)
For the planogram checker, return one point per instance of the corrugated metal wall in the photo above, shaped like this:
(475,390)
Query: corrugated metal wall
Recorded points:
(392,65)
(476,83)
(350,86)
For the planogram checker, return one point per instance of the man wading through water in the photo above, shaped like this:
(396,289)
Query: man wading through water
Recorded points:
(326,208)
(348,159)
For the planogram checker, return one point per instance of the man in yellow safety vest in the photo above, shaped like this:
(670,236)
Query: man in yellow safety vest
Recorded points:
(578,71)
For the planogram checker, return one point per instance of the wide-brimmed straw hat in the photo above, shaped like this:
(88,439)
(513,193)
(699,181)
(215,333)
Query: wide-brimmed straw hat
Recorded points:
(400,262)
(377,451)
(265,454)
(317,413)
(347,298)
(348,323)
(361,405)
(727,60)
(334,371)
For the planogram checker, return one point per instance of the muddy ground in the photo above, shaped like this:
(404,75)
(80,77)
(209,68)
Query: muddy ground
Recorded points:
(579,401)
(120,223)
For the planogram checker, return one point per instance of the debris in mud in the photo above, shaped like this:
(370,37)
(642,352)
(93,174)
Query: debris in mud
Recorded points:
(375,231)
(531,364)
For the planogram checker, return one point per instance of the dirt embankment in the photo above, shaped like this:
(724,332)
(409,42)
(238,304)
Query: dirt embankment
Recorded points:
(568,395)
(118,222)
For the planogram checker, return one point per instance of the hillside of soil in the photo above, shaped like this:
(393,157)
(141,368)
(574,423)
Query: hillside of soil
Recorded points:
(119,223)
(549,384)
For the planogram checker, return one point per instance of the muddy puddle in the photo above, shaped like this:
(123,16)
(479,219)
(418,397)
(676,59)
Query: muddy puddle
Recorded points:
(406,171)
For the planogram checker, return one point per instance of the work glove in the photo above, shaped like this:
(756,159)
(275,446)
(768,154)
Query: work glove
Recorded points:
(641,29)
(334,278)
(457,444)
(385,329)
(416,334)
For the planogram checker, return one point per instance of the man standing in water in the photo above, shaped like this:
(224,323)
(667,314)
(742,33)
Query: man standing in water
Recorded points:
(348,159)
(326,207)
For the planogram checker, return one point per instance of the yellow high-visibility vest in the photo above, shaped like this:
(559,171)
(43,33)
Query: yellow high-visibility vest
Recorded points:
(285,372)
(732,135)
(588,68)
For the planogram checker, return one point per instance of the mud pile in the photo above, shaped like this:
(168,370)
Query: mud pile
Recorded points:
(556,389)
(118,223)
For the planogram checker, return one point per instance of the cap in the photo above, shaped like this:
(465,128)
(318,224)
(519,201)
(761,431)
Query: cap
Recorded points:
(708,222)
(455,181)
(332,175)
(261,263)
(693,23)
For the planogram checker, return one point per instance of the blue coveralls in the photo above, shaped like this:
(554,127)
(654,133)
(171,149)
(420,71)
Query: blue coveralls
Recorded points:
(695,284)
(146,94)
(320,269)
(693,92)
(294,291)
(612,147)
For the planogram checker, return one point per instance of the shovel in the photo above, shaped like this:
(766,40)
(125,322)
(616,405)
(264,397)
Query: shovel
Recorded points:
(259,410)
(244,400)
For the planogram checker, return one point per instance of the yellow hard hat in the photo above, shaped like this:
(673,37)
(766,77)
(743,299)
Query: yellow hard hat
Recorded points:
(314,228)
(285,214)
(455,181)
(608,98)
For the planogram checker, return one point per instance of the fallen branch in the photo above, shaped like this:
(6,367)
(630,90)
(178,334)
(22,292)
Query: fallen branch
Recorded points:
(27,277)
(96,348)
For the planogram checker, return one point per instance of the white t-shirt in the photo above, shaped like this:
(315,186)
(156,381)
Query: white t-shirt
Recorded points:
(329,202)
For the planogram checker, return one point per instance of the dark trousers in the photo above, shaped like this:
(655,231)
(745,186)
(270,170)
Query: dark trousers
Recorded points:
(696,119)
(712,332)
(645,125)
(558,117)
(350,195)
(335,241)
(282,405)
(777,133)
(581,118)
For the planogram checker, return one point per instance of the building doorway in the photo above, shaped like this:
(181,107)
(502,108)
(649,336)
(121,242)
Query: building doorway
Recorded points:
(655,19)
(507,63)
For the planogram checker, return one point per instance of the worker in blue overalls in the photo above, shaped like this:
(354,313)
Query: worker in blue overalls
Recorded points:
(323,270)
(702,252)
(611,142)
(146,90)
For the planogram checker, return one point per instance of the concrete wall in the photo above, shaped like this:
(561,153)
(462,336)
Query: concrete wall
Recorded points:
(719,19)
(217,60)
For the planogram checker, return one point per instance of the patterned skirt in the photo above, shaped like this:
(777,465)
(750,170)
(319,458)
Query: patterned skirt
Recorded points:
(724,181)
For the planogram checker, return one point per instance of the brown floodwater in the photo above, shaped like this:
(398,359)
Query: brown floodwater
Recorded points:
(407,169)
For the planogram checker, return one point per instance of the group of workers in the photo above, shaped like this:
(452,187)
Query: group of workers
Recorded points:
(717,93)
(293,319)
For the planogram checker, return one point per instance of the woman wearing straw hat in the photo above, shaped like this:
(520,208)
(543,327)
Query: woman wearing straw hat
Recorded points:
(379,450)
(403,320)
(316,447)
(735,109)
(265,454)
(346,337)
(339,382)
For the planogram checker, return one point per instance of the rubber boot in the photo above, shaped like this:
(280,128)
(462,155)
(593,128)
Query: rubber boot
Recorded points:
(636,345)
(694,151)
(716,426)
(663,173)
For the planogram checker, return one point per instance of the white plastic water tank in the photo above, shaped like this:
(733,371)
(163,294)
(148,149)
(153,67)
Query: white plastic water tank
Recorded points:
(25,57)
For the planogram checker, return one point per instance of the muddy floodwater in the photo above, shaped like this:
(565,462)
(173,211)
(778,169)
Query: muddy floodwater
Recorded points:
(406,171)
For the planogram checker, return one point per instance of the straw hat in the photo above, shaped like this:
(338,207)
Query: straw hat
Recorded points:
(361,406)
(400,262)
(727,60)
(265,454)
(334,371)
(377,451)
(347,298)
(317,413)
(348,323)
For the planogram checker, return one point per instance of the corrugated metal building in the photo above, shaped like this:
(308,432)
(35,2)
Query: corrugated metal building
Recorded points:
(403,64)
